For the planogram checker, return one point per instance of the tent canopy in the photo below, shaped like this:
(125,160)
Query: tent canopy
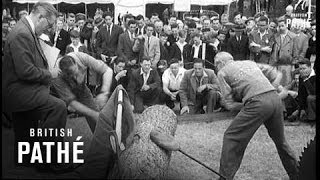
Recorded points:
(193,2)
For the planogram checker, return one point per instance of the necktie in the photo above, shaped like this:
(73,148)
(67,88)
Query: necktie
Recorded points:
(109,30)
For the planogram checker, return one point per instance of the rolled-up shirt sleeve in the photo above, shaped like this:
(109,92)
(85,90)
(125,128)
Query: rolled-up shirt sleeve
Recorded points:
(269,71)
(92,63)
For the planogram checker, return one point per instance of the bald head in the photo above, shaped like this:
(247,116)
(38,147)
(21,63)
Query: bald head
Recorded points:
(221,59)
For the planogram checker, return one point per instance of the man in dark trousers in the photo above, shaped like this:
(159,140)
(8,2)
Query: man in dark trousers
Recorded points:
(108,36)
(26,79)
(238,45)
(251,88)
(144,86)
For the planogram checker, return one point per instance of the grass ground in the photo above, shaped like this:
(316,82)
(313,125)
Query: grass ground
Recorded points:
(201,139)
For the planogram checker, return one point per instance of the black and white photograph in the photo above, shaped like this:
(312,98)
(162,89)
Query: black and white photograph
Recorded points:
(159,89)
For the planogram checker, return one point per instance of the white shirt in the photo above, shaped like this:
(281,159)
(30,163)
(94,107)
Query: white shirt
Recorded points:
(172,82)
(262,34)
(145,76)
(311,74)
(181,48)
(31,23)
(196,50)
(76,48)
(131,35)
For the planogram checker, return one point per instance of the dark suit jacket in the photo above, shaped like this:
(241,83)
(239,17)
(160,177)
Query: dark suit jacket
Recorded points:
(62,41)
(25,75)
(107,44)
(164,52)
(136,82)
(125,47)
(176,53)
(306,88)
(239,50)
(172,39)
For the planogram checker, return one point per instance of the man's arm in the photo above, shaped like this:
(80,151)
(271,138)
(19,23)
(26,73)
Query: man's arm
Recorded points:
(99,43)
(227,96)
(83,109)
(272,74)
(120,48)
(157,80)
(23,61)
(157,52)
(131,87)
(184,90)
(165,83)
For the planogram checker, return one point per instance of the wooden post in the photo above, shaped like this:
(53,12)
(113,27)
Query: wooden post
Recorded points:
(144,159)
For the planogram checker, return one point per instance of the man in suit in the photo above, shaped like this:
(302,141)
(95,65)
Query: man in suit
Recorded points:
(158,25)
(108,36)
(120,73)
(181,50)
(164,46)
(174,37)
(141,29)
(199,87)
(261,42)
(71,20)
(149,46)
(126,42)
(238,45)
(144,86)
(26,79)
(61,38)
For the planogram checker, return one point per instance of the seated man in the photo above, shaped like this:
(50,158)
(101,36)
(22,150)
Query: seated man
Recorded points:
(70,85)
(306,91)
(120,73)
(199,87)
(171,80)
(144,86)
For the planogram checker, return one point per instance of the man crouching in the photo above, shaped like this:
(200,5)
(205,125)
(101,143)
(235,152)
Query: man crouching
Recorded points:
(70,86)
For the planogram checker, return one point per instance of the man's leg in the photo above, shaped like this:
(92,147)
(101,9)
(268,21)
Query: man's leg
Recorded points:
(212,100)
(311,107)
(275,129)
(240,132)
(138,103)
(55,113)
(86,98)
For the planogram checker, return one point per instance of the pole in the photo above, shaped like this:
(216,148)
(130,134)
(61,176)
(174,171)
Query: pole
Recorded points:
(28,8)
(85,9)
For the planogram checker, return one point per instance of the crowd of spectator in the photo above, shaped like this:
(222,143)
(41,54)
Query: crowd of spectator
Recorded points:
(162,62)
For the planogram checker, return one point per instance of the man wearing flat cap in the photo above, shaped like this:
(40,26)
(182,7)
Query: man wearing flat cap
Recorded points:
(238,45)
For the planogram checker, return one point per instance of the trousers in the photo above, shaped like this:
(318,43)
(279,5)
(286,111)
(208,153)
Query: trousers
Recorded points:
(264,109)
(53,114)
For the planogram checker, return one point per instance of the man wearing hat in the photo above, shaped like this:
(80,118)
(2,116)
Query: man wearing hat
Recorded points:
(238,45)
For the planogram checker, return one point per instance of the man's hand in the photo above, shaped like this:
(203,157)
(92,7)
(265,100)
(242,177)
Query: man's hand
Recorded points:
(54,72)
(266,49)
(121,74)
(210,86)
(303,115)
(173,96)
(104,58)
(255,44)
(101,100)
(132,62)
(201,88)
(145,88)
(185,109)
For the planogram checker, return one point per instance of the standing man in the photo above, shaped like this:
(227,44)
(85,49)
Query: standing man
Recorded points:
(141,29)
(61,38)
(71,20)
(158,25)
(126,42)
(261,42)
(148,46)
(108,36)
(199,87)
(26,78)
(251,88)
(284,51)
(238,45)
